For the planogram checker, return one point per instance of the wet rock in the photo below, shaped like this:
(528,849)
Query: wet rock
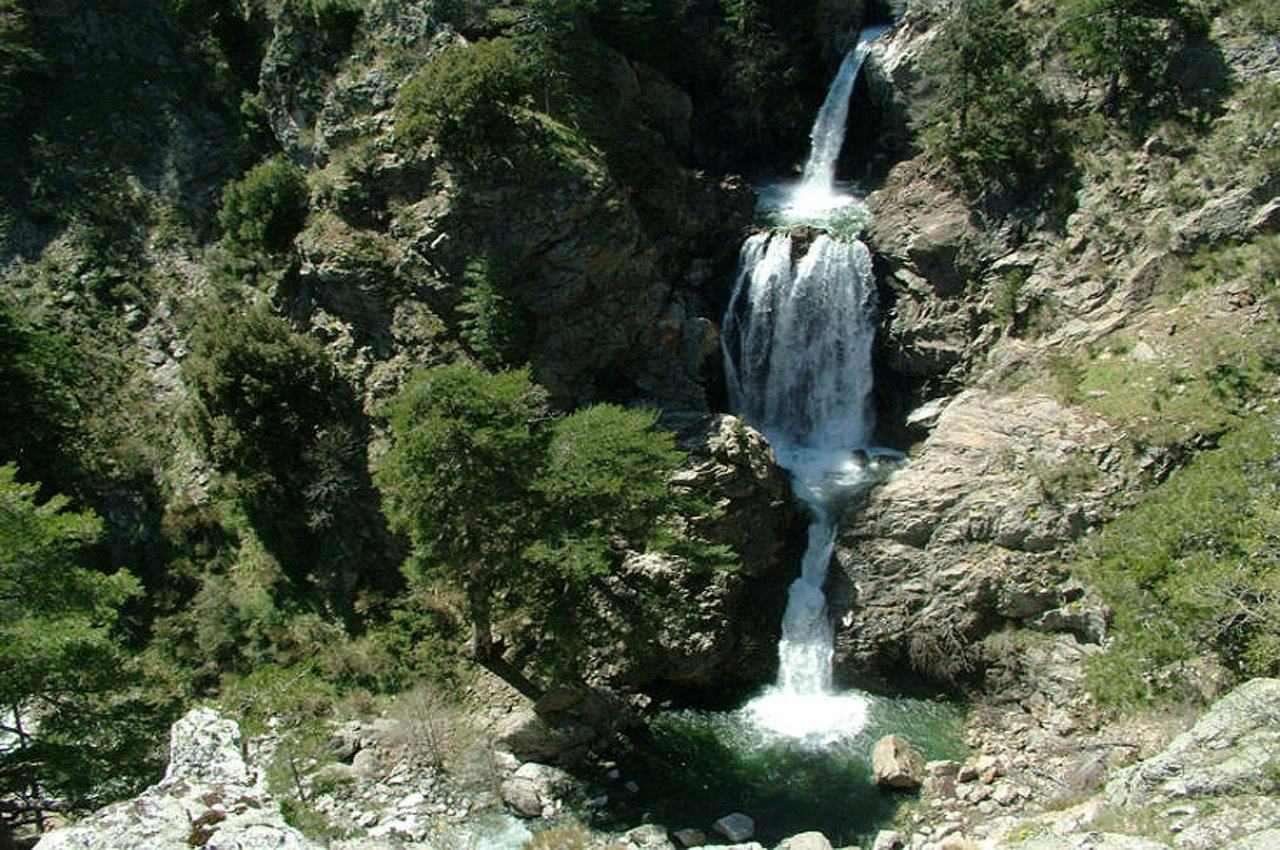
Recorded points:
(649,836)
(896,764)
(940,780)
(689,837)
(726,632)
(736,827)
(534,789)
(888,839)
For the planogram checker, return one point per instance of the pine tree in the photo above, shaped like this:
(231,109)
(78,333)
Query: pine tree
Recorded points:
(66,720)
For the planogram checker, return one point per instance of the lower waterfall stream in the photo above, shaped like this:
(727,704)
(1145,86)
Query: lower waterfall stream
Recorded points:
(797,340)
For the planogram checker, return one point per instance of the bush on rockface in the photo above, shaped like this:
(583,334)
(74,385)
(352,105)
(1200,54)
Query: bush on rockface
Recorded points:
(991,120)
(266,208)
(463,99)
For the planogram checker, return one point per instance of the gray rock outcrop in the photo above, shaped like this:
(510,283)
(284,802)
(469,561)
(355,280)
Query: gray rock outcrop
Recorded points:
(208,798)
(960,541)
(1231,750)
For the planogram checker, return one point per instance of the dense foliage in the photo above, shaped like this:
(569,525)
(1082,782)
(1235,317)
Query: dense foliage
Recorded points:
(991,119)
(272,413)
(68,722)
(266,208)
(18,57)
(1195,569)
(525,510)
(464,452)
(463,99)
(1128,45)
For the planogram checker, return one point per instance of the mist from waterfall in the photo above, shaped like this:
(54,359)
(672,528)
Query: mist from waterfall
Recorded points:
(797,339)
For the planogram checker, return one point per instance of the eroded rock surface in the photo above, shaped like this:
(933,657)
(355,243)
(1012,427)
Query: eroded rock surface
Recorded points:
(960,540)
(208,798)
(1231,750)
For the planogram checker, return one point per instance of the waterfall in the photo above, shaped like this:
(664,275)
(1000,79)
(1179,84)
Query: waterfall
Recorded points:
(797,340)
(827,136)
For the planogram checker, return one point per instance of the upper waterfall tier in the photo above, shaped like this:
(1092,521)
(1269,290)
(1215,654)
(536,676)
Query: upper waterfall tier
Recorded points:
(816,190)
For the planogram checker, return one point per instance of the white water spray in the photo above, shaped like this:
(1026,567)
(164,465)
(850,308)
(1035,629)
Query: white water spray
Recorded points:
(797,342)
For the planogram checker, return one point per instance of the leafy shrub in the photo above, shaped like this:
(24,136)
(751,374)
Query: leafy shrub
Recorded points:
(494,327)
(266,208)
(463,99)
(457,476)
(1195,568)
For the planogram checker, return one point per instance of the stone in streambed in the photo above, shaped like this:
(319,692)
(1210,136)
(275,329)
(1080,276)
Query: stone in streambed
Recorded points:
(689,838)
(735,827)
(896,764)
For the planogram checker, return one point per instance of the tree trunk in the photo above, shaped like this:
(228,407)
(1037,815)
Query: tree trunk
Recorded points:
(481,627)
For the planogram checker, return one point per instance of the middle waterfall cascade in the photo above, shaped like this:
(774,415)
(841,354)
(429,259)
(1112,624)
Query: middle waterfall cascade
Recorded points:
(797,339)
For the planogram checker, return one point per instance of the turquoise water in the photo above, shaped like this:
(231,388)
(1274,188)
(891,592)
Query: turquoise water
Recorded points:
(697,766)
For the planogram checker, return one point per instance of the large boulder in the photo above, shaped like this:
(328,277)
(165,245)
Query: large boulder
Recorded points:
(961,540)
(208,798)
(896,764)
(736,827)
(536,790)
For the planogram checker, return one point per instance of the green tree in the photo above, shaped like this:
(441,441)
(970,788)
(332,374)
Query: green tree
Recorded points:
(465,451)
(271,410)
(266,208)
(1128,44)
(991,119)
(19,59)
(39,374)
(533,515)
(63,712)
